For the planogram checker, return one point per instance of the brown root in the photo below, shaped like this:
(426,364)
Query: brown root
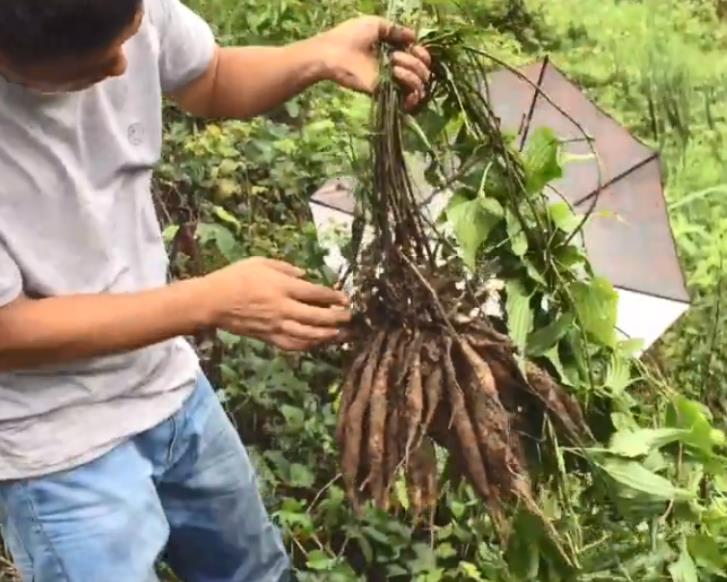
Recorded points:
(414,400)
(421,479)
(500,449)
(464,430)
(433,389)
(393,452)
(348,392)
(563,409)
(377,420)
(354,421)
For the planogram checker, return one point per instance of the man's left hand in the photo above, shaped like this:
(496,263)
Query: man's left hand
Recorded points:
(350,53)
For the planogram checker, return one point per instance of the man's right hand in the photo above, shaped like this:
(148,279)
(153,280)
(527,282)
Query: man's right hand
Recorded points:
(269,300)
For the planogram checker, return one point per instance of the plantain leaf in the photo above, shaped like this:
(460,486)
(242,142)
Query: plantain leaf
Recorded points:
(519,314)
(553,356)
(618,376)
(563,217)
(472,222)
(223,238)
(516,234)
(597,307)
(707,554)
(639,443)
(696,418)
(543,339)
(541,160)
(684,569)
(635,476)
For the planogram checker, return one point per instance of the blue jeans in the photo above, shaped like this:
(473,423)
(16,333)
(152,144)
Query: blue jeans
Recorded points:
(184,490)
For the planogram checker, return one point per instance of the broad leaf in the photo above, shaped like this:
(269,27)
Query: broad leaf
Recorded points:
(597,306)
(543,339)
(567,377)
(707,554)
(541,160)
(301,476)
(516,234)
(519,314)
(635,476)
(618,377)
(472,222)
(639,443)
(563,217)
(223,238)
(684,569)
(696,418)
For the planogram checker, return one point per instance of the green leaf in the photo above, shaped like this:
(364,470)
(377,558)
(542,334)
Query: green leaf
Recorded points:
(533,271)
(618,376)
(301,476)
(541,160)
(684,569)
(445,551)
(516,234)
(225,216)
(631,348)
(597,306)
(319,560)
(472,221)
(707,554)
(519,314)
(639,443)
(553,356)
(470,572)
(222,237)
(294,417)
(563,217)
(543,339)
(170,232)
(696,418)
(523,551)
(635,476)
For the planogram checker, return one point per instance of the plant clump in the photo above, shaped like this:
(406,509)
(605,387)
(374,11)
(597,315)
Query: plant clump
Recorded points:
(429,364)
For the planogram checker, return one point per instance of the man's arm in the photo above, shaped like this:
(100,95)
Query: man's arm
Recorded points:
(258,298)
(242,82)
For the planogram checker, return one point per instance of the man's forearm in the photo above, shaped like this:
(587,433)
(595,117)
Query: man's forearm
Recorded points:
(36,333)
(248,81)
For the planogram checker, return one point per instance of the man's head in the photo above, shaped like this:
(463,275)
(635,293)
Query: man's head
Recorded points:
(65,45)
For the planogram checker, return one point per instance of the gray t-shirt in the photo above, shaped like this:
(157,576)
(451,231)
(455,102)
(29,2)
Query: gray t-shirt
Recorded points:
(77,217)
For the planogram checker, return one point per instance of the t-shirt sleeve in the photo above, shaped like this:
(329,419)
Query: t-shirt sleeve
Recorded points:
(186,44)
(11,281)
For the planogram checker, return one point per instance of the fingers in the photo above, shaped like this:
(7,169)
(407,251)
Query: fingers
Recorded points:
(413,64)
(407,78)
(283,267)
(395,34)
(317,316)
(422,54)
(301,338)
(307,333)
(412,101)
(306,292)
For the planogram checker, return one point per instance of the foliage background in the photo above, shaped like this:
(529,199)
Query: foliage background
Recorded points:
(658,66)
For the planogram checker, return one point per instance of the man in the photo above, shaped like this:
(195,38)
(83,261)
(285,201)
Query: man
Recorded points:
(113,447)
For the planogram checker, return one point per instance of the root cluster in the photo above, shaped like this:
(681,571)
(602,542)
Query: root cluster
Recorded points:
(428,367)
(462,388)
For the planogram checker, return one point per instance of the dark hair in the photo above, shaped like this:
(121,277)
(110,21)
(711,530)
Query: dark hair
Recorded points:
(42,30)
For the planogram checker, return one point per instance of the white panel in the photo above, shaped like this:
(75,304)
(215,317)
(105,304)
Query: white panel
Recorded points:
(646,317)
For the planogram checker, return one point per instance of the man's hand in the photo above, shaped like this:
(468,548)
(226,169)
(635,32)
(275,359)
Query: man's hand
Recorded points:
(350,53)
(269,300)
